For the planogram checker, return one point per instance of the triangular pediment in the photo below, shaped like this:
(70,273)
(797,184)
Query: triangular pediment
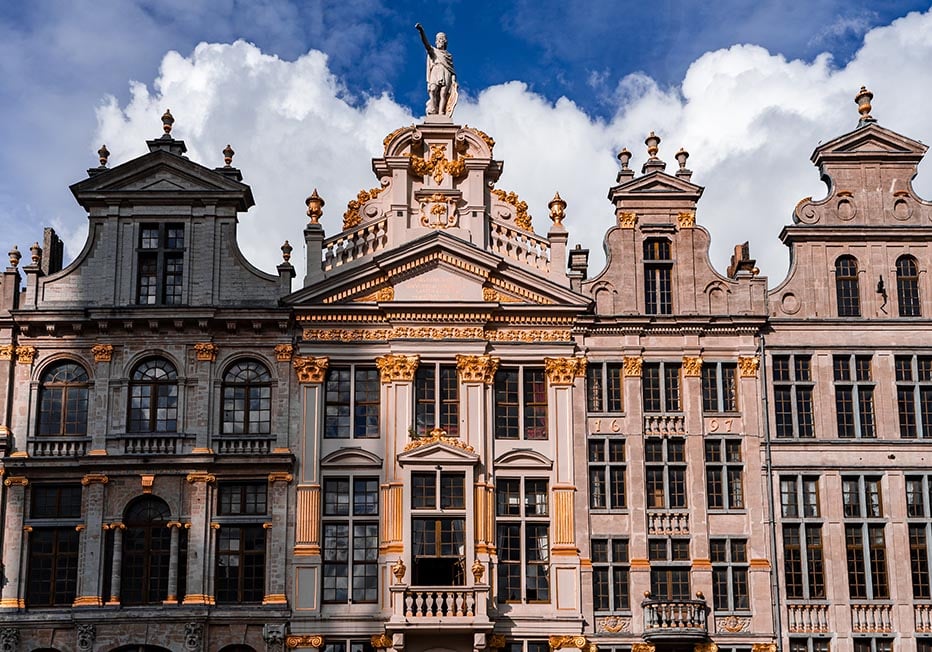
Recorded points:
(657,183)
(438,449)
(870,140)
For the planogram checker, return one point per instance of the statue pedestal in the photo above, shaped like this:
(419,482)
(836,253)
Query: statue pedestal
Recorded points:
(438,119)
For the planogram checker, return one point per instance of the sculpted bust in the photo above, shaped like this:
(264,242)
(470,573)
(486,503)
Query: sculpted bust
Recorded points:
(441,77)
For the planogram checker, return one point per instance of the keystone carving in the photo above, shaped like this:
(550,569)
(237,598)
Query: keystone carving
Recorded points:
(274,637)
(193,637)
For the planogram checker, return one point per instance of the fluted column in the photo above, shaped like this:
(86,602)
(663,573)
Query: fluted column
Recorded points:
(311,373)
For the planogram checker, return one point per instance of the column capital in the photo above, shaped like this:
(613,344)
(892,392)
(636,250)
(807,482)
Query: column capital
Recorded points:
(26,354)
(309,369)
(632,365)
(94,478)
(16,481)
(284,352)
(206,351)
(308,640)
(477,368)
(397,368)
(748,365)
(563,371)
(280,476)
(201,476)
(692,366)
(102,352)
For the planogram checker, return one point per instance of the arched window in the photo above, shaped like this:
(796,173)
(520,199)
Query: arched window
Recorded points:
(846,287)
(658,277)
(146,552)
(63,400)
(153,397)
(907,287)
(247,399)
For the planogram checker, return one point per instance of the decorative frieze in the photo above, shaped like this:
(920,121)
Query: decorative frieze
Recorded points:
(632,365)
(564,371)
(397,368)
(733,624)
(102,352)
(748,365)
(529,335)
(310,370)
(477,368)
(612,624)
(692,366)
(206,351)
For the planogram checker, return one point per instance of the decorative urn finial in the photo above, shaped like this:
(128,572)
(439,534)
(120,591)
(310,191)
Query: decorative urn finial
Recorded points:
(228,154)
(14,256)
(863,100)
(315,207)
(557,209)
(652,142)
(681,157)
(36,253)
(104,155)
(625,157)
(167,121)
(286,251)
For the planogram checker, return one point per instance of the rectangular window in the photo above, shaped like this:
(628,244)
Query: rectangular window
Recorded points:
(914,395)
(610,566)
(792,395)
(669,569)
(665,462)
(160,268)
(347,646)
(350,539)
(854,396)
(436,399)
(604,387)
(865,544)
(658,277)
(52,560)
(918,506)
(729,574)
(523,538)
(352,399)
(607,473)
(724,470)
(800,644)
(719,387)
(521,403)
(873,644)
(242,507)
(660,383)
(438,528)
(804,560)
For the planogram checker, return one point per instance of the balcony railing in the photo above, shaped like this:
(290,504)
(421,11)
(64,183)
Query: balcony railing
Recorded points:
(152,443)
(667,523)
(805,618)
(871,618)
(923,615)
(441,606)
(243,444)
(675,620)
(665,425)
(58,446)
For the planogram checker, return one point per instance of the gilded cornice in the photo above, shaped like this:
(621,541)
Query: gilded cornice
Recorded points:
(748,365)
(564,371)
(397,368)
(692,366)
(477,368)
(310,369)
(102,352)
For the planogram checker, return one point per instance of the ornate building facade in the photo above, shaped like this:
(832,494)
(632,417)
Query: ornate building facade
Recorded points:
(450,436)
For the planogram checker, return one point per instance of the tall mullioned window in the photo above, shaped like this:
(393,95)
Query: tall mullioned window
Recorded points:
(724,470)
(350,541)
(730,574)
(719,387)
(660,387)
(161,264)
(607,473)
(914,395)
(52,561)
(242,507)
(804,558)
(919,515)
(523,538)
(665,463)
(436,399)
(864,538)
(854,396)
(610,570)
(63,400)
(352,396)
(847,289)
(604,387)
(907,287)
(658,277)
(438,528)
(521,403)
(247,399)
(146,552)
(669,568)
(792,395)
(153,397)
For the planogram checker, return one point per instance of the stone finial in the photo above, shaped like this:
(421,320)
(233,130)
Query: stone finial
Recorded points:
(863,100)
(167,121)
(36,251)
(315,207)
(286,251)
(681,157)
(15,256)
(625,157)
(557,208)
(104,155)
(228,154)
(652,141)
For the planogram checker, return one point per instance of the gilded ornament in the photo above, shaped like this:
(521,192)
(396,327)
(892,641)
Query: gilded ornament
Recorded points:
(16,481)
(632,365)
(686,219)
(563,371)
(487,139)
(643,647)
(381,641)
(6,352)
(733,624)
(94,478)
(201,476)
(102,352)
(559,642)
(309,640)
(437,165)
(557,208)
(352,217)
(613,624)
(283,352)
(764,647)
(280,476)
(390,137)
(397,368)
(315,207)
(748,365)
(497,641)
(386,293)
(478,570)
(627,220)
(398,570)
(25,354)
(522,219)
(438,212)
(692,366)
(206,351)
(705,647)
(438,436)
(489,293)
(310,369)
(147,481)
(477,368)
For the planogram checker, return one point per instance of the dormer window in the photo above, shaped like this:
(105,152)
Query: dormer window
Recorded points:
(658,277)
(161,264)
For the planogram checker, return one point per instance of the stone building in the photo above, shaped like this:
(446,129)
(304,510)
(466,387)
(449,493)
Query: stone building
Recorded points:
(450,437)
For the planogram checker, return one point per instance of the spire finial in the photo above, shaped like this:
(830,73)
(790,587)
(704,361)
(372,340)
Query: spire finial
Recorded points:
(863,100)
(652,141)
(681,157)
(315,207)
(557,209)
(228,154)
(104,155)
(167,121)
(286,251)
(14,256)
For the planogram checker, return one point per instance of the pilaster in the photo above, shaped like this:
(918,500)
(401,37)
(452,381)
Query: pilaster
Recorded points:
(91,542)
(11,596)
(275,538)
(199,539)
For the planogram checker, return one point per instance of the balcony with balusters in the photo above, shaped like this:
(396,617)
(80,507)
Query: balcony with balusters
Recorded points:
(667,621)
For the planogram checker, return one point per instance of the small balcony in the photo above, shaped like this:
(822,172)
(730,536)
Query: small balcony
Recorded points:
(675,620)
(664,425)
(48,446)
(242,444)
(150,443)
(440,607)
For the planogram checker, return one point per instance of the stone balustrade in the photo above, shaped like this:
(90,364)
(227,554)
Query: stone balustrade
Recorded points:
(667,523)
(242,445)
(675,619)
(664,425)
(524,247)
(923,617)
(869,618)
(152,444)
(58,446)
(806,618)
(353,245)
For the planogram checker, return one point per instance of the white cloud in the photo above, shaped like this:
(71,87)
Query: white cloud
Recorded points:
(749,118)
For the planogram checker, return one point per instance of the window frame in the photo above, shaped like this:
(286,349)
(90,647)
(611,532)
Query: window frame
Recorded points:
(804,556)
(908,296)
(247,521)
(715,398)
(914,395)
(357,413)
(164,256)
(866,559)
(855,415)
(259,380)
(724,474)
(919,528)
(793,389)
(155,562)
(847,286)
(658,276)
(667,473)
(67,413)
(730,571)
(670,566)
(170,381)
(360,521)
(523,526)
(666,390)
(60,522)
(526,412)
(605,388)
(611,580)
(607,473)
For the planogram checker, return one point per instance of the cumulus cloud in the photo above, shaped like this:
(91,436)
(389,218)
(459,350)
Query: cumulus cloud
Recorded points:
(749,118)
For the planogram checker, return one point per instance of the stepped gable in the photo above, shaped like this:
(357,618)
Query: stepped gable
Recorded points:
(658,207)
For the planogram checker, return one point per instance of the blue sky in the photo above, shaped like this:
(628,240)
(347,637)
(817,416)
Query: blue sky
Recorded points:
(609,70)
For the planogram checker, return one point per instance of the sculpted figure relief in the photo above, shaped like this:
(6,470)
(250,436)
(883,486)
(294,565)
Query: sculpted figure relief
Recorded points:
(441,77)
